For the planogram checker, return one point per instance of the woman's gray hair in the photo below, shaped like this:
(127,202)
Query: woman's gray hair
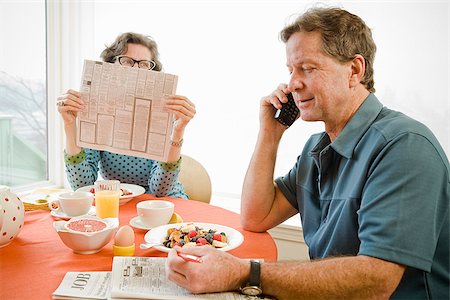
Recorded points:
(120,46)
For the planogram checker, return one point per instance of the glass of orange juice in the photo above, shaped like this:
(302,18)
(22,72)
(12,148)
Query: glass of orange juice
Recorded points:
(107,194)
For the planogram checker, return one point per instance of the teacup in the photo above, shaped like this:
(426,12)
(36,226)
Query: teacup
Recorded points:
(73,203)
(154,213)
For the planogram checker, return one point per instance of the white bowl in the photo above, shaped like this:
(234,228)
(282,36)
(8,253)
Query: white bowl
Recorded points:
(86,242)
(157,235)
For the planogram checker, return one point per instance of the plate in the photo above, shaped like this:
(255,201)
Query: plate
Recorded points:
(63,216)
(43,197)
(157,235)
(136,222)
(136,190)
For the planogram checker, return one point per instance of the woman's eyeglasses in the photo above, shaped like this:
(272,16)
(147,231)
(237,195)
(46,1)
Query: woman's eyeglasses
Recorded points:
(129,62)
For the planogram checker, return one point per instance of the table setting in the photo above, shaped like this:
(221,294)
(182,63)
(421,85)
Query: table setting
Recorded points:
(48,245)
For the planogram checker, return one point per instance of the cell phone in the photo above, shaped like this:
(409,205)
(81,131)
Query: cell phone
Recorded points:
(288,112)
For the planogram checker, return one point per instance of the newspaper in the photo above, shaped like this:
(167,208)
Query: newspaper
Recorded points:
(84,285)
(133,278)
(124,111)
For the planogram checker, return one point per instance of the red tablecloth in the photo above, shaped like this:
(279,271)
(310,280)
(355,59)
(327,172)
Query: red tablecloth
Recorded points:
(33,265)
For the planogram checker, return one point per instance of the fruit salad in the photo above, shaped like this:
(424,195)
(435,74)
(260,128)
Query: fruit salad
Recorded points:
(190,235)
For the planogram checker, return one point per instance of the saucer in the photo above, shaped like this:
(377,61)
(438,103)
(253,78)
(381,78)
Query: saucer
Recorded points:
(136,222)
(62,215)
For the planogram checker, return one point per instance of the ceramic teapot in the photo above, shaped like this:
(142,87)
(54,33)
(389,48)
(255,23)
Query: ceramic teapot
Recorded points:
(11,215)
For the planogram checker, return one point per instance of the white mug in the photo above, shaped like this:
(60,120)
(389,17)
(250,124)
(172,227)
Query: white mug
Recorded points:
(73,203)
(154,213)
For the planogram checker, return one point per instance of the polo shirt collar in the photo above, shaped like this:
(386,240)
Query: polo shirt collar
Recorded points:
(349,137)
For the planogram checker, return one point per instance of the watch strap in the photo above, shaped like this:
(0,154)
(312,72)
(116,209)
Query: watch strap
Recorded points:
(255,273)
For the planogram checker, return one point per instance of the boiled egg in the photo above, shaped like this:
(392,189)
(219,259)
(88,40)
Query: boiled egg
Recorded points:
(124,237)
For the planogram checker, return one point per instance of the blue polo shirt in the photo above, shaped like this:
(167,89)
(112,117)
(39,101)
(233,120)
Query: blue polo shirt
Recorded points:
(381,189)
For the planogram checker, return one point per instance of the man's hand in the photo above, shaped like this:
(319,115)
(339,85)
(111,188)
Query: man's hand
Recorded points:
(218,271)
(269,104)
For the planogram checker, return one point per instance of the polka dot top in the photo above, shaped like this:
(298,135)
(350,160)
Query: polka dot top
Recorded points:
(158,178)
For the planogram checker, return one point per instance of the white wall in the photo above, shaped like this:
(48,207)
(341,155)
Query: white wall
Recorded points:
(228,55)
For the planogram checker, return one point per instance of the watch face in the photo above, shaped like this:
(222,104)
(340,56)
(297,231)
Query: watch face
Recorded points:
(251,290)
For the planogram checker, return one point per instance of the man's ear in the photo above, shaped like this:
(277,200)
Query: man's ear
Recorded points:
(358,68)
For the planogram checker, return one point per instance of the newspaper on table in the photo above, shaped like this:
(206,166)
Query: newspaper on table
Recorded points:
(133,278)
(124,111)
(84,285)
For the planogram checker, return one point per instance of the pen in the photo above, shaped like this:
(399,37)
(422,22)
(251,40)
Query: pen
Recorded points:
(190,257)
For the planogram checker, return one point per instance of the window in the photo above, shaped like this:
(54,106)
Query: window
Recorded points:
(23,93)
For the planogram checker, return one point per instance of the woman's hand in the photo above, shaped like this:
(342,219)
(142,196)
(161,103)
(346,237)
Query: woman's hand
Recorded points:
(69,104)
(183,110)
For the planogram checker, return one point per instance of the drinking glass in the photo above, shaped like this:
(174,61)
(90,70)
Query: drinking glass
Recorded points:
(107,194)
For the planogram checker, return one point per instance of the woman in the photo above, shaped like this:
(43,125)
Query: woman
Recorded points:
(82,164)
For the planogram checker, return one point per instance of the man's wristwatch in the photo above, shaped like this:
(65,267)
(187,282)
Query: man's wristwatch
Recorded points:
(253,286)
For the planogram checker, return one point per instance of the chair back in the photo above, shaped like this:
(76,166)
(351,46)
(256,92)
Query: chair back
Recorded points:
(195,179)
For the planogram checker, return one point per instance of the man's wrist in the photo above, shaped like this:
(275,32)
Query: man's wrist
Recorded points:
(253,286)
(244,273)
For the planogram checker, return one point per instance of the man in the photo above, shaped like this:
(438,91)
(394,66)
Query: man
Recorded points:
(372,190)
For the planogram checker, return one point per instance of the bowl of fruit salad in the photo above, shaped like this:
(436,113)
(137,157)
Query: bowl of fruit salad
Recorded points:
(129,191)
(193,234)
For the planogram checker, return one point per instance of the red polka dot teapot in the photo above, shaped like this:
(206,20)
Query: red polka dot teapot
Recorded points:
(11,215)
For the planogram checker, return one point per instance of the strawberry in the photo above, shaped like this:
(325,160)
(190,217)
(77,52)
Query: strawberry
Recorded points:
(217,237)
(192,234)
(201,242)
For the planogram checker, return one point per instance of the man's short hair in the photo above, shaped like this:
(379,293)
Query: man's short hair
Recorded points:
(343,36)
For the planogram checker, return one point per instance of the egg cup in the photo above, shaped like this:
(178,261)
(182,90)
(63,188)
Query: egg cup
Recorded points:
(123,250)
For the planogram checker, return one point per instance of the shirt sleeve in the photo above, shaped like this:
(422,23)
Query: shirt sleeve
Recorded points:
(82,169)
(288,185)
(163,179)
(403,204)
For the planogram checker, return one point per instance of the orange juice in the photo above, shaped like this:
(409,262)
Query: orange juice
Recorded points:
(107,204)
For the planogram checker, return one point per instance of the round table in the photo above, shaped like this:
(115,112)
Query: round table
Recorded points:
(33,265)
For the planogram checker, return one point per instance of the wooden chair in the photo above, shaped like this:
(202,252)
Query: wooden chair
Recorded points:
(195,179)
